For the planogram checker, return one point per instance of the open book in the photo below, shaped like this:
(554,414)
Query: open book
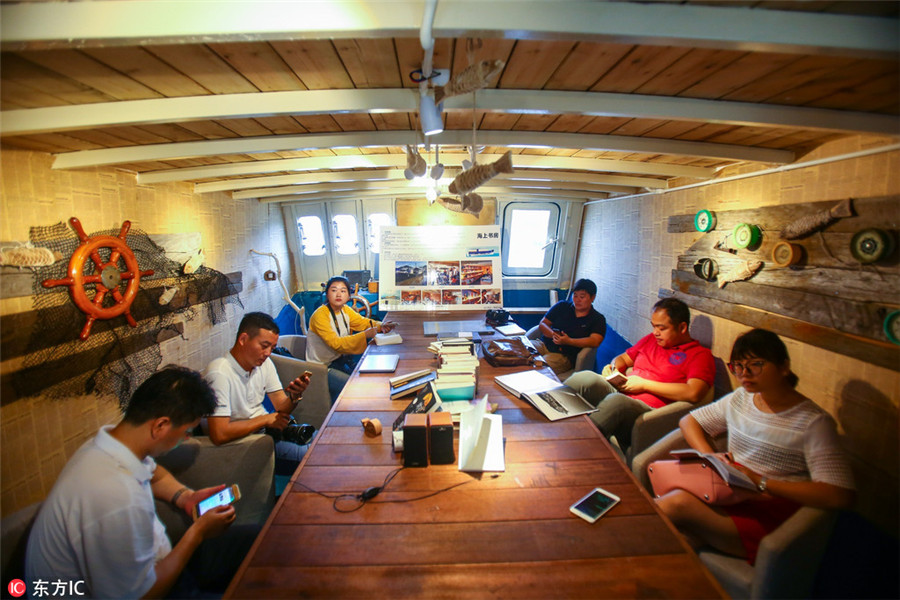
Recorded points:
(721,463)
(554,400)
(617,378)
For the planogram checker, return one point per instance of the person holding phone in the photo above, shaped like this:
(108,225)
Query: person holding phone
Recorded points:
(338,334)
(242,379)
(99,524)
(569,326)
(779,438)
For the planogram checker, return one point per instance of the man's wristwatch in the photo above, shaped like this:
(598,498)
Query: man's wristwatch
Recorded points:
(761,486)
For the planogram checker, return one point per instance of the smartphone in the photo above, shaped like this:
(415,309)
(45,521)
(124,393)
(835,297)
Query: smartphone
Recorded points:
(226,496)
(594,505)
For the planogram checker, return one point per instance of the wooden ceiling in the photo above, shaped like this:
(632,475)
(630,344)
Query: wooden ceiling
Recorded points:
(311,100)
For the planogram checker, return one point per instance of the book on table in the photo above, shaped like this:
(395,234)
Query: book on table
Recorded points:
(426,401)
(553,399)
(379,363)
(386,339)
(455,386)
(721,462)
(410,386)
(510,329)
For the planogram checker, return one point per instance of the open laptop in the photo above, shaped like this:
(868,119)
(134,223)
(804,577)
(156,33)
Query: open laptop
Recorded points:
(379,363)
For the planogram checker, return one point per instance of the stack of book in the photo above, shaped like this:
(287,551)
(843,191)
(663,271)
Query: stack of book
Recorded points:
(457,373)
(410,383)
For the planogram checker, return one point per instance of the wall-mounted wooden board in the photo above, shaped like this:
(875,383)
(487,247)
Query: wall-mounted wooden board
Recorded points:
(18,338)
(828,299)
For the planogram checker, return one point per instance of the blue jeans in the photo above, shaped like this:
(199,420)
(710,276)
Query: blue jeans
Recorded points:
(339,372)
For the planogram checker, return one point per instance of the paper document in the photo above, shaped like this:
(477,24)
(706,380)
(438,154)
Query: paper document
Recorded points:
(481,440)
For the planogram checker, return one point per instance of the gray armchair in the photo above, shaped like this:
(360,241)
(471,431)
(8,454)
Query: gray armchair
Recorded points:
(248,462)
(583,362)
(788,558)
(653,425)
(198,463)
(316,401)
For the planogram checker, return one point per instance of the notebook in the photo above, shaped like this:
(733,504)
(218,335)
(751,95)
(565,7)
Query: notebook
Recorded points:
(379,363)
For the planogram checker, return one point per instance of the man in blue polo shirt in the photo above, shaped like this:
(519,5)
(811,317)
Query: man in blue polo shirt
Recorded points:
(569,326)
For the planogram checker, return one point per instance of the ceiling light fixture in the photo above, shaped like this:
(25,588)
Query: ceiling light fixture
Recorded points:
(430,115)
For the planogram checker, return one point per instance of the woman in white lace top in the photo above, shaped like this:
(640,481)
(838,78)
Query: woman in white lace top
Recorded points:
(782,440)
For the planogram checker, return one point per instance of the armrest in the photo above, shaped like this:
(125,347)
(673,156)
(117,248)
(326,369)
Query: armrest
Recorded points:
(658,451)
(654,424)
(534,333)
(295,344)
(198,463)
(789,557)
(316,402)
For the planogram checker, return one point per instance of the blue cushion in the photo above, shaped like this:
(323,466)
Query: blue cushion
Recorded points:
(613,345)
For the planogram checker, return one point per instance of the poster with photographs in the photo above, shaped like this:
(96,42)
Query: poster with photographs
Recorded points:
(440,268)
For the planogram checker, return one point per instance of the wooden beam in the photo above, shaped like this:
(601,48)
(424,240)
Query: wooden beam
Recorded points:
(105,23)
(529,175)
(369,161)
(883,354)
(371,139)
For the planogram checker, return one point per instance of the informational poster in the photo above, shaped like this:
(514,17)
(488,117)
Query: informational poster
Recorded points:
(440,268)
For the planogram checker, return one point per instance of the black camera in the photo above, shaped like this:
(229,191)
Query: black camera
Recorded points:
(293,432)
(497,316)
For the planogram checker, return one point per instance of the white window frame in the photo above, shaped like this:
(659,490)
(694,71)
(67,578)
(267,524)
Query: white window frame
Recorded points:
(553,232)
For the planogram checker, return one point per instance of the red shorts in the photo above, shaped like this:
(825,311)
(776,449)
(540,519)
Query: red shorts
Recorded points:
(755,519)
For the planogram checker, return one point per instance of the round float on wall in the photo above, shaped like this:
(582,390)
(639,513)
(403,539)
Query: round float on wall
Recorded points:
(705,220)
(892,327)
(871,245)
(746,235)
(706,269)
(785,254)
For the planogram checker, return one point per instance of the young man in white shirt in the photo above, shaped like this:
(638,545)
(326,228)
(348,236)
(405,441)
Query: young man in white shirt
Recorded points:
(99,525)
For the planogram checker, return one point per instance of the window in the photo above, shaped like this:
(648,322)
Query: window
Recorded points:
(346,238)
(312,236)
(530,233)
(374,224)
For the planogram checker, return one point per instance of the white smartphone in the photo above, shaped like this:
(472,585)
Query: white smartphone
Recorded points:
(226,496)
(594,505)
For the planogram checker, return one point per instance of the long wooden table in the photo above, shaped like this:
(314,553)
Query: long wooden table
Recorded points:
(505,535)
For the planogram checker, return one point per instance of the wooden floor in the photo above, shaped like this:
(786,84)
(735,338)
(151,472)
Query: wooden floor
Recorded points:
(503,535)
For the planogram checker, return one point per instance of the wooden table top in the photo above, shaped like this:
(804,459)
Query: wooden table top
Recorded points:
(503,535)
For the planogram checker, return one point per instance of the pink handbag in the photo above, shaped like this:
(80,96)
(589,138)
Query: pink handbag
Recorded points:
(696,477)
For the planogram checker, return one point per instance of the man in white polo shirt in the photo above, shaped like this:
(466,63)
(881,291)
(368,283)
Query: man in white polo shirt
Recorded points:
(98,528)
(241,379)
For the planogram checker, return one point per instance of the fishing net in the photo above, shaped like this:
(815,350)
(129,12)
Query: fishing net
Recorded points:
(116,357)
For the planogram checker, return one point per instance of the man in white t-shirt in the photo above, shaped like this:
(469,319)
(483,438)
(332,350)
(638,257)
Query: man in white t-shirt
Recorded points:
(98,528)
(241,380)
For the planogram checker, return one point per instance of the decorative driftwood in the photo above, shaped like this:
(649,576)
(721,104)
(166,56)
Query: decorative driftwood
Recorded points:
(828,299)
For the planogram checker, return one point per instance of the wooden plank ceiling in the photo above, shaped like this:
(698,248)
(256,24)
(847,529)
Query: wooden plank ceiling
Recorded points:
(595,99)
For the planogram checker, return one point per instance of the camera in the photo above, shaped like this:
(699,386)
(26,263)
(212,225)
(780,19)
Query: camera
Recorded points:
(293,432)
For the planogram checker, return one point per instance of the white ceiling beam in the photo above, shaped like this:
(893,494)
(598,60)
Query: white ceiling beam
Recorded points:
(484,191)
(106,23)
(401,185)
(371,139)
(371,161)
(28,121)
(532,175)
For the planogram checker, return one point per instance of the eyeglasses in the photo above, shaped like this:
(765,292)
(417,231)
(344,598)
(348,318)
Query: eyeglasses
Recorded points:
(751,368)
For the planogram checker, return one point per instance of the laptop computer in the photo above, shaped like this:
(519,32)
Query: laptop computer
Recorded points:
(379,363)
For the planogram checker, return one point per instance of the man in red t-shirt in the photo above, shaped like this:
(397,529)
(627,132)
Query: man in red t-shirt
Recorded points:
(667,366)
